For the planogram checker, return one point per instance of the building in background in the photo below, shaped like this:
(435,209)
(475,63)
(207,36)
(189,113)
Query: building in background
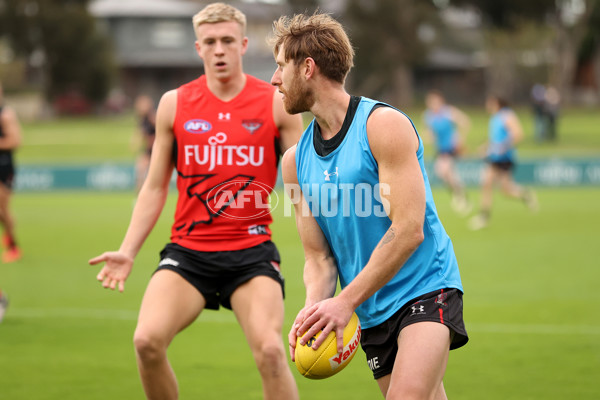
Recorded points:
(154,41)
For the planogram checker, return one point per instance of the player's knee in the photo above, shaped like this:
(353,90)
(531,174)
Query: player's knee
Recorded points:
(270,356)
(148,346)
(412,390)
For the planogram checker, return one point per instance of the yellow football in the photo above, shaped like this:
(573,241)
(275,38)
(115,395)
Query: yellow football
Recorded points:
(326,361)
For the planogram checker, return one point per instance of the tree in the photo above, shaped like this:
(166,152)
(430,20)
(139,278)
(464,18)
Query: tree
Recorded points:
(570,36)
(588,58)
(385,35)
(76,58)
(301,6)
(564,24)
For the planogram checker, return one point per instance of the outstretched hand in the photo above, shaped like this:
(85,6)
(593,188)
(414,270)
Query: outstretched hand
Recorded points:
(115,271)
(326,316)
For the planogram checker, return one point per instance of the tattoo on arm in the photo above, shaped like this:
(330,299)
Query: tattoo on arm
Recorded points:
(388,237)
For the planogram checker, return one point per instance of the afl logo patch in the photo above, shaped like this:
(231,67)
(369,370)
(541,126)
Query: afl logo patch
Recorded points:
(197,126)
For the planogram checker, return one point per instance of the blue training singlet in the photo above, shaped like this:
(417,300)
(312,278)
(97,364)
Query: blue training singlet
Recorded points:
(500,148)
(342,189)
(443,128)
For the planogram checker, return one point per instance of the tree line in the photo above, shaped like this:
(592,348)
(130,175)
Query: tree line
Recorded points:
(75,56)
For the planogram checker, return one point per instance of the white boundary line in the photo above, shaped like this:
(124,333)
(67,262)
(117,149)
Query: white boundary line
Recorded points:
(534,329)
(227,317)
(106,314)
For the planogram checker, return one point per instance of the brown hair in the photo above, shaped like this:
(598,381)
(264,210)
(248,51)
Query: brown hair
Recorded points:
(219,12)
(318,36)
(436,92)
(502,102)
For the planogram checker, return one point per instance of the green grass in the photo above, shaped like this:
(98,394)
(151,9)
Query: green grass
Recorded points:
(530,280)
(78,140)
(85,140)
(530,307)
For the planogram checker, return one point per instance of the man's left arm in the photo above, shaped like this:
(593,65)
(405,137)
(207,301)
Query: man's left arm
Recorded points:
(290,126)
(394,145)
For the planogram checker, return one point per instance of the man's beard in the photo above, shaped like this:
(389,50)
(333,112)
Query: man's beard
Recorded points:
(298,99)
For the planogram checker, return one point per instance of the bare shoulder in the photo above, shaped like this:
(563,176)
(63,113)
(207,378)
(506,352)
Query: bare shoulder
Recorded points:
(455,111)
(167,108)
(288,166)
(168,99)
(390,132)
(511,114)
(289,158)
(8,114)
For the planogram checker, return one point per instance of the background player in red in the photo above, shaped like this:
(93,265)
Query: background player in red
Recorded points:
(223,133)
(10,140)
(144,136)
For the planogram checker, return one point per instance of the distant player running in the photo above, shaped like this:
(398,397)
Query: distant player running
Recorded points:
(365,212)
(223,133)
(3,304)
(145,134)
(10,140)
(505,132)
(448,127)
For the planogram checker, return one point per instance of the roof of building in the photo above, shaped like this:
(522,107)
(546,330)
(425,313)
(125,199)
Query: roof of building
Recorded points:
(174,8)
(143,8)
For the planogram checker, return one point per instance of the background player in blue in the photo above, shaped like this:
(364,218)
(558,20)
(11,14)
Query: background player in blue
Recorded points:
(364,212)
(447,126)
(505,132)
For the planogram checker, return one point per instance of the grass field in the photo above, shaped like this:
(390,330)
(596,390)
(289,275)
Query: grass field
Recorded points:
(530,281)
(70,141)
(530,307)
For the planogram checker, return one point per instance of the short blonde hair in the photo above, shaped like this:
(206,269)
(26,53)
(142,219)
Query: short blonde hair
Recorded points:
(318,36)
(219,12)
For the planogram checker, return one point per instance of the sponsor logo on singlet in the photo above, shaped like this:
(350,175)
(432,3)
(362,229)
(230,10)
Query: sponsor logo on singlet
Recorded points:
(217,152)
(252,125)
(197,126)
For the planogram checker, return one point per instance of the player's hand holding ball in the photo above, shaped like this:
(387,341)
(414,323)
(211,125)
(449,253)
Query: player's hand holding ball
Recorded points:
(323,341)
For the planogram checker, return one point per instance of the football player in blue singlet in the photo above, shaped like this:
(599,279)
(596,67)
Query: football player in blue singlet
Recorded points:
(365,213)
(447,126)
(505,132)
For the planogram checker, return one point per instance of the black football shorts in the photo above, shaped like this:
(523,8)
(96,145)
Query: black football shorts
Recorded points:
(217,274)
(380,343)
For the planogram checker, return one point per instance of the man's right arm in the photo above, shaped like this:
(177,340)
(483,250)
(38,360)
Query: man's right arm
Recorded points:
(150,202)
(514,127)
(320,271)
(463,123)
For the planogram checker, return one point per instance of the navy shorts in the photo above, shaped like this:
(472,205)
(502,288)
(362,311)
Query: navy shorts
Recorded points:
(451,152)
(7,175)
(505,166)
(380,343)
(217,274)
